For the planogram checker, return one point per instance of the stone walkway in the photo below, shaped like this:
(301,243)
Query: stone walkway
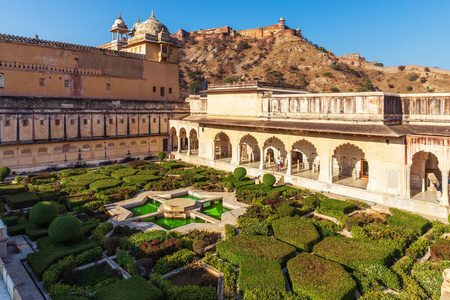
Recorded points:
(4,295)
(25,285)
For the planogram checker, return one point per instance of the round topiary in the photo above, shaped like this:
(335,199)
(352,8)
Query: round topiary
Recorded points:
(240,173)
(4,172)
(64,229)
(161,156)
(269,180)
(43,213)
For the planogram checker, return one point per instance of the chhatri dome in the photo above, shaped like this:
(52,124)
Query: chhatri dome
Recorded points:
(150,26)
(119,24)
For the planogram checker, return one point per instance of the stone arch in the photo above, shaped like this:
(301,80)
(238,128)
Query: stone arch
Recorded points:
(249,149)
(173,138)
(349,161)
(183,138)
(273,147)
(425,171)
(193,137)
(222,146)
(304,155)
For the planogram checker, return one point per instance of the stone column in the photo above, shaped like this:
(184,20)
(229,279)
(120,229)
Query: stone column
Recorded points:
(170,144)
(189,146)
(238,155)
(261,160)
(289,164)
(326,169)
(444,199)
(408,181)
(179,144)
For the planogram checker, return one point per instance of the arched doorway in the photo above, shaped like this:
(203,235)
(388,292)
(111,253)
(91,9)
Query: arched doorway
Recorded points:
(173,139)
(274,148)
(305,161)
(193,140)
(183,139)
(425,173)
(222,146)
(249,150)
(350,166)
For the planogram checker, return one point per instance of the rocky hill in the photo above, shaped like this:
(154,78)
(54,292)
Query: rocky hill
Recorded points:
(293,60)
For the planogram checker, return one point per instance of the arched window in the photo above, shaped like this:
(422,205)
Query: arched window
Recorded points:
(111,145)
(122,145)
(133,144)
(57,149)
(2,80)
(8,153)
(98,147)
(42,151)
(144,143)
(26,152)
(73,148)
(86,147)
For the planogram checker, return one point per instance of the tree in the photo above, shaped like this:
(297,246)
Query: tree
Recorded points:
(4,172)
(161,155)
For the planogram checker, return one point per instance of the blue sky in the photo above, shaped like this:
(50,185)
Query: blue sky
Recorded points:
(395,32)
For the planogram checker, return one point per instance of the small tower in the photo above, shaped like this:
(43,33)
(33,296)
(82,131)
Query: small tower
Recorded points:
(119,34)
(282,24)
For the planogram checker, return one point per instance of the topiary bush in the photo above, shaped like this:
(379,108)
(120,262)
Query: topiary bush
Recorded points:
(64,229)
(161,156)
(43,213)
(240,173)
(269,180)
(199,247)
(10,221)
(4,172)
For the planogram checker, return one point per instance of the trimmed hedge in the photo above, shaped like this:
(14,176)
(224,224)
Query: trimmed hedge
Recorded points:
(409,221)
(336,205)
(269,180)
(49,252)
(140,179)
(440,250)
(134,288)
(10,189)
(172,165)
(254,274)
(238,248)
(22,200)
(10,221)
(104,184)
(318,278)
(119,174)
(18,228)
(240,173)
(297,232)
(35,232)
(147,172)
(171,262)
(355,253)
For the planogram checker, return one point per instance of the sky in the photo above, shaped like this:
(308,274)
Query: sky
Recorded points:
(394,32)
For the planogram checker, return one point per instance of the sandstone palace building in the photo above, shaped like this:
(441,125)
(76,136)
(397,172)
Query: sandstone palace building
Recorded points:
(385,148)
(63,103)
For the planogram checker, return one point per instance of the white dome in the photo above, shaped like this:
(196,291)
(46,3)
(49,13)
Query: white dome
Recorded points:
(119,23)
(150,26)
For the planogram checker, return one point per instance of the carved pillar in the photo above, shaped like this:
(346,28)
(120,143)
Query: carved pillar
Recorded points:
(289,164)
(444,199)
(261,160)
(408,181)
(326,169)
(189,146)
(170,143)
(179,144)
(236,155)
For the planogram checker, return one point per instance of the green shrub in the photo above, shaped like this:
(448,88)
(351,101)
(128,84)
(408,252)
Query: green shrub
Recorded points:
(50,252)
(297,232)
(22,200)
(140,180)
(18,228)
(171,262)
(230,230)
(10,221)
(412,288)
(269,180)
(105,184)
(378,295)
(229,276)
(418,248)
(355,253)
(240,173)
(311,202)
(380,272)
(429,276)
(10,189)
(35,232)
(258,294)
(253,226)
(189,292)
(161,156)
(408,220)
(99,233)
(43,213)
(119,174)
(134,288)
(255,274)
(170,165)
(241,247)
(336,205)
(4,172)
(64,229)
(440,250)
(128,262)
(286,210)
(319,278)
